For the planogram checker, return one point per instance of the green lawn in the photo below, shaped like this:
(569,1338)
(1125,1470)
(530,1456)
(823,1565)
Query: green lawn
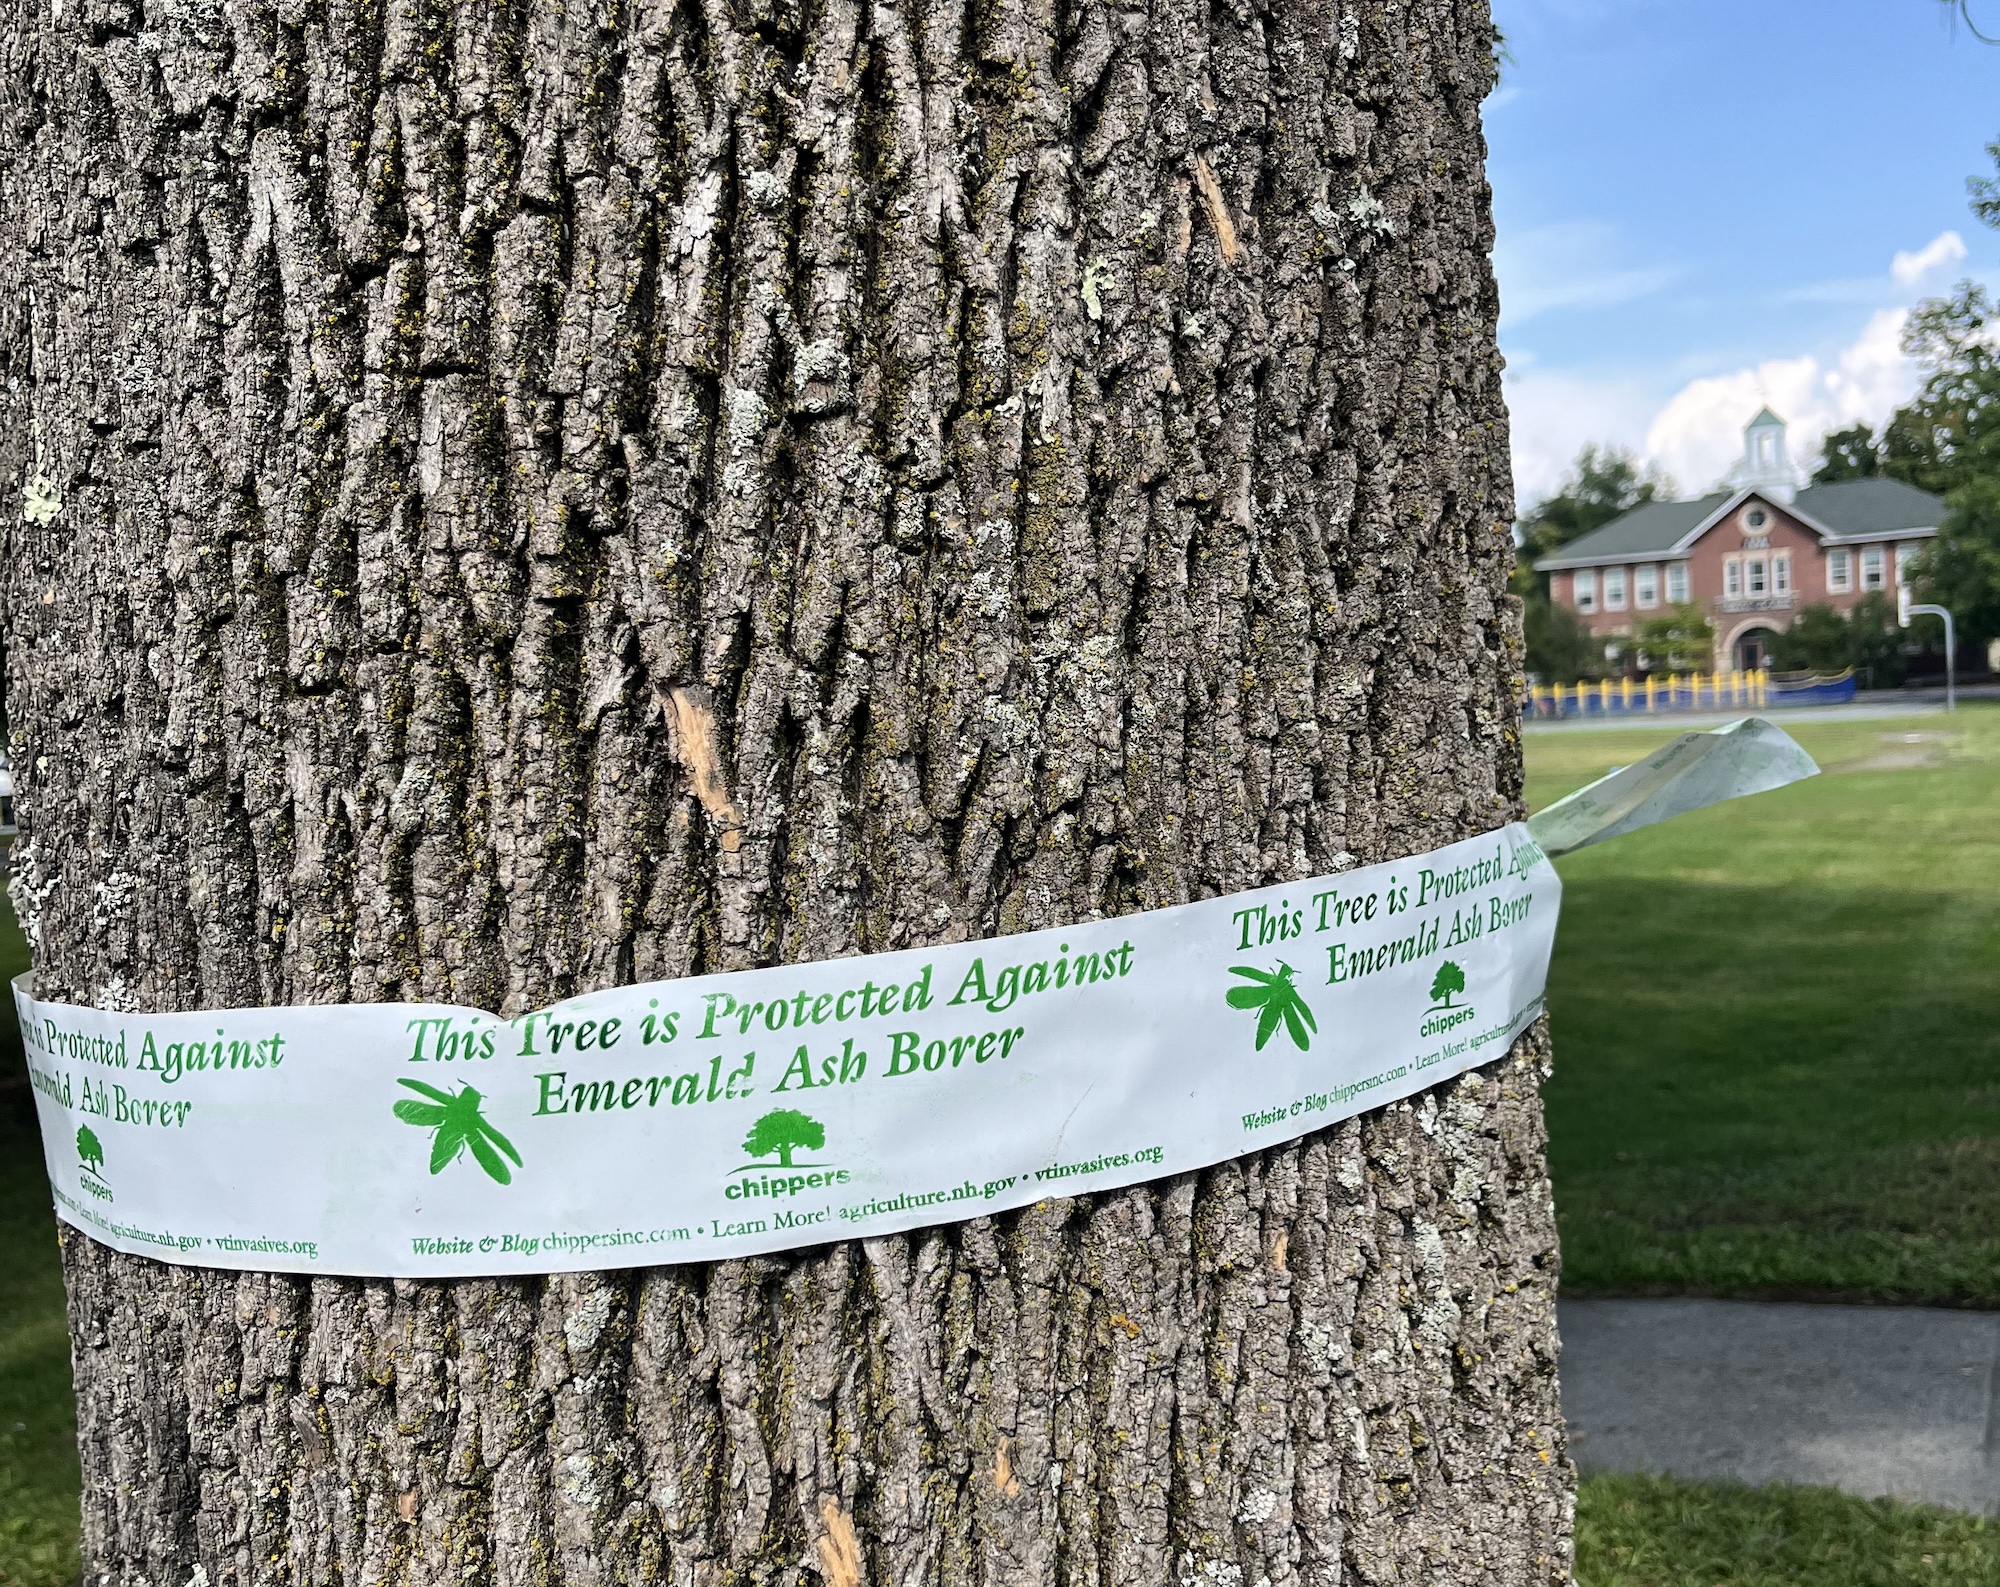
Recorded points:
(1777,1067)
(1775,1073)
(38,1474)
(1657,1532)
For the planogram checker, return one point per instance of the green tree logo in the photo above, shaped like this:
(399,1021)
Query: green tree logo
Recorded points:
(784,1132)
(89,1151)
(455,1117)
(1273,992)
(1449,979)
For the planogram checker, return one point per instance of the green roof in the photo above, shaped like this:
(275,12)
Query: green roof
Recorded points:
(1870,507)
(1648,529)
(1851,510)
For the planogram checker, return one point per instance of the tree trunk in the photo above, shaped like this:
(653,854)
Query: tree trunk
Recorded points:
(554,495)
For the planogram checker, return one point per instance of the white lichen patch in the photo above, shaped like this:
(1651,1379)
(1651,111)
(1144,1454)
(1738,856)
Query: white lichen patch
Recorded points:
(1366,211)
(579,1481)
(112,900)
(584,1326)
(767,190)
(41,500)
(1350,38)
(115,997)
(749,417)
(1259,1505)
(29,891)
(1096,277)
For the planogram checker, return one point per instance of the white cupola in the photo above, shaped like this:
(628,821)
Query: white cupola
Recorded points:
(1765,466)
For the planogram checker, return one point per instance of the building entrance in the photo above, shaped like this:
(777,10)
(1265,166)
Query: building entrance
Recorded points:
(1753,650)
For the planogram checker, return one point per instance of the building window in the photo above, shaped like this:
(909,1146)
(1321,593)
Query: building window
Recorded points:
(1677,581)
(1646,587)
(1755,569)
(1614,589)
(1871,568)
(1756,517)
(1781,574)
(1732,577)
(1586,591)
(1905,555)
(1839,572)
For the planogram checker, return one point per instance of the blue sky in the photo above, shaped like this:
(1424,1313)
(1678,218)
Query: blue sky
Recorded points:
(1701,208)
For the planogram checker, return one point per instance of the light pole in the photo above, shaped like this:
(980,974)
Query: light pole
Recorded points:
(1905,610)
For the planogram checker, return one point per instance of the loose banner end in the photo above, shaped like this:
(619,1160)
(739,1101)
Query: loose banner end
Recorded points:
(1745,757)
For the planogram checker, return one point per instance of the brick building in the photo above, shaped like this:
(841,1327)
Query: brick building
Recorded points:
(1750,557)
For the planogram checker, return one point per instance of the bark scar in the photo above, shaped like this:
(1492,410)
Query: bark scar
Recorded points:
(1278,1248)
(839,1548)
(691,717)
(1003,1470)
(1218,211)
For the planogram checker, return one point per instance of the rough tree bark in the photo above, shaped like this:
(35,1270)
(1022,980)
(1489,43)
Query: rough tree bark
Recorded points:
(551,495)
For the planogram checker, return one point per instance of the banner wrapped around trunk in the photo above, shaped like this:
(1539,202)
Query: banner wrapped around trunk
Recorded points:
(727,1115)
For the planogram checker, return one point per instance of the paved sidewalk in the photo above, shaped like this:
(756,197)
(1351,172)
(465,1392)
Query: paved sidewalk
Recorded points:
(1874,1400)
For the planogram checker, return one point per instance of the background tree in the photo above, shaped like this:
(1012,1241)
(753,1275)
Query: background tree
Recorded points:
(1680,639)
(1847,454)
(555,495)
(1866,638)
(1604,483)
(1960,569)
(1818,640)
(1560,646)
(1950,432)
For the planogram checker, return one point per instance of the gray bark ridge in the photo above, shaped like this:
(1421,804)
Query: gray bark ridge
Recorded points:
(519,499)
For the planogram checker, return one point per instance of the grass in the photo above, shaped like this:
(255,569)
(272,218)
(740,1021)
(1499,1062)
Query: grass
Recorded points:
(38,1468)
(1660,1532)
(1775,1074)
(1777,1070)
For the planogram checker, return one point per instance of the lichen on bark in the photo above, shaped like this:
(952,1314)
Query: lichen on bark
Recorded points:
(559,495)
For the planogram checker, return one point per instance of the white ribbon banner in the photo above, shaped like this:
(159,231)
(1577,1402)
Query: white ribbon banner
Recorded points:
(729,1115)
(725,1115)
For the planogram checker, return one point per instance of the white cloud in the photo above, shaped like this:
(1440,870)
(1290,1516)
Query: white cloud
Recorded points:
(1698,435)
(1567,266)
(1556,414)
(1946,248)
(1695,433)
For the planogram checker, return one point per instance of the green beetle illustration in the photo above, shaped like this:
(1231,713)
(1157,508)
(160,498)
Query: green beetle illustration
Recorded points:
(1273,992)
(456,1118)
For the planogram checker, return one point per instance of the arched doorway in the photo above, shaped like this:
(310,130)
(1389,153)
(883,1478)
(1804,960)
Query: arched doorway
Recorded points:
(1752,649)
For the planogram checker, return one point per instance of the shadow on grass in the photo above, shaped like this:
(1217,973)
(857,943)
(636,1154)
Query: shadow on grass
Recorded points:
(1776,1090)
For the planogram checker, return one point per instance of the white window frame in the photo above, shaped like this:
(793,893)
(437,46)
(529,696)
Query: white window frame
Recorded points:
(1840,571)
(1677,583)
(1646,586)
(1614,589)
(1583,589)
(1732,578)
(1755,577)
(1874,568)
(1905,555)
(1781,573)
